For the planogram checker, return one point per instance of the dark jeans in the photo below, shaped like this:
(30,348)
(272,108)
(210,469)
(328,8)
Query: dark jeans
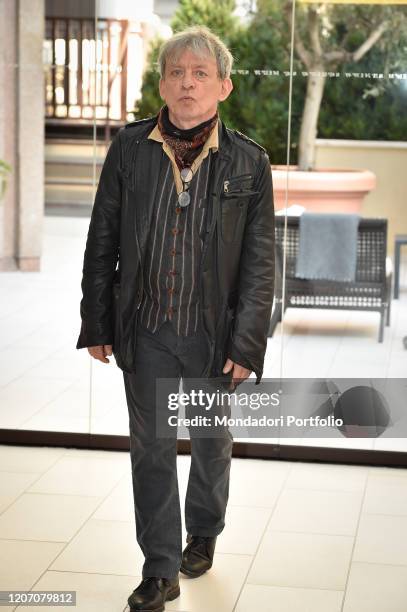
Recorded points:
(154,459)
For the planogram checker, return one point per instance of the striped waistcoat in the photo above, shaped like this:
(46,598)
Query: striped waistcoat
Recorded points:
(171,264)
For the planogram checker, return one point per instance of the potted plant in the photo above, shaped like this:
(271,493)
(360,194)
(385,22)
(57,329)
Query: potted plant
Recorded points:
(323,44)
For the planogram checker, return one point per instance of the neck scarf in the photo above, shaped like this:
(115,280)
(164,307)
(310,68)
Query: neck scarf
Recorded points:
(186,144)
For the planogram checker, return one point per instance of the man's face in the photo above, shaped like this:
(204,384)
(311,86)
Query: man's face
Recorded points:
(192,89)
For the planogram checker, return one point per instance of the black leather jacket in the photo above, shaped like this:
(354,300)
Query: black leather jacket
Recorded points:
(236,279)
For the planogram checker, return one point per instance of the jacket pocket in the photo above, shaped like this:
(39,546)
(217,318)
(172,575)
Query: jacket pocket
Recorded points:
(233,215)
(234,202)
(238,183)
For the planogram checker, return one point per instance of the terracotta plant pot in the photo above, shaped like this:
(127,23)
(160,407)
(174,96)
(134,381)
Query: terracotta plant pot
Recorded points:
(322,190)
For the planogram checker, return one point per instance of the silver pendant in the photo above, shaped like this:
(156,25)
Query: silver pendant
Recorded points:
(186,175)
(184,199)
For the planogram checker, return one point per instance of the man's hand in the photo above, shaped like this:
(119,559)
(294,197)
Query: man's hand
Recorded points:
(239,373)
(100,352)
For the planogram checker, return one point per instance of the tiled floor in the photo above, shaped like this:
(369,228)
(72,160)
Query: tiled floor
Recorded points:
(299,537)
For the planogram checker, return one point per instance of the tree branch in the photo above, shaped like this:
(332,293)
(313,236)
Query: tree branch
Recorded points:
(370,41)
(337,56)
(313,24)
(303,54)
(341,55)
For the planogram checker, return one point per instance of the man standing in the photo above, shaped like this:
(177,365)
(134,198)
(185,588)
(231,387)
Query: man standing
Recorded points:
(186,207)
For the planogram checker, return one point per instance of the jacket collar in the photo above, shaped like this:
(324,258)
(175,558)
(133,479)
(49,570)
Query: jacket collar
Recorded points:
(211,142)
(224,141)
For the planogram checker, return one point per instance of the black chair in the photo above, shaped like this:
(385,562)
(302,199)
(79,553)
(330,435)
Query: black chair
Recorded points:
(371,290)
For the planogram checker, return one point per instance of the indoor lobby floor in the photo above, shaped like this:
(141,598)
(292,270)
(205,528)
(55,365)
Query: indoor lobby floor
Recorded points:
(299,537)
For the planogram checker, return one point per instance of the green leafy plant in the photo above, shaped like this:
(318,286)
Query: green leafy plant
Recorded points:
(332,36)
(5,170)
(328,37)
(215,14)
(257,106)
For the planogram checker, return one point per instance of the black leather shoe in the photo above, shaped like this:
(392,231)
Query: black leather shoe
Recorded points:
(197,557)
(152,593)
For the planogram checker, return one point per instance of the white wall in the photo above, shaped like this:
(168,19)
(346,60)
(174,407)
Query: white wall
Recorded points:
(388,160)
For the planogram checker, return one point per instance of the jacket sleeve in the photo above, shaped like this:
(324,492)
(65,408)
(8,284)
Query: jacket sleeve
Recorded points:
(101,254)
(248,340)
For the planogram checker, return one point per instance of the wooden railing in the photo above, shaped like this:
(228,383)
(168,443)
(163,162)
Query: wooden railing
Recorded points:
(85,67)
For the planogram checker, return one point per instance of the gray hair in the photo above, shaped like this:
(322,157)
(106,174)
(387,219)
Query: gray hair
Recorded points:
(201,41)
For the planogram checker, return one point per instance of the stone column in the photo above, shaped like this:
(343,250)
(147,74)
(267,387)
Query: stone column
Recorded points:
(22,132)
(8,130)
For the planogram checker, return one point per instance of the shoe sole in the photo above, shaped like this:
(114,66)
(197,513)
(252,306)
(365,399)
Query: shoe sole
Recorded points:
(193,574)
(170,596)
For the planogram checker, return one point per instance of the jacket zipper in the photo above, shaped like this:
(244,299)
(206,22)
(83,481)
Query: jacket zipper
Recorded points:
(235,179)
(208,235)
(141,273)
(138,245)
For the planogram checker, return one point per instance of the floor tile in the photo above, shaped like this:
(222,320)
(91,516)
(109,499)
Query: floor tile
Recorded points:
(94,592)
(103,547)
(243,531)
(12,484)
(285,599)
(327,477)
(21,563)
(28,458)
(215,591)
(71,475)
(375,588)
(16,362)
(52,518)
(311,511)
(119,504)
(385,494)
(378,470)
(381,539)
(259,481)
(302,560)
(15,410)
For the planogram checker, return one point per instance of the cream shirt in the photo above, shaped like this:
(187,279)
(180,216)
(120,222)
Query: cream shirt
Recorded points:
(212,142)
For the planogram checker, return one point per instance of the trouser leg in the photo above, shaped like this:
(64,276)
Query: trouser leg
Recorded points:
(153,459)
(208,484)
